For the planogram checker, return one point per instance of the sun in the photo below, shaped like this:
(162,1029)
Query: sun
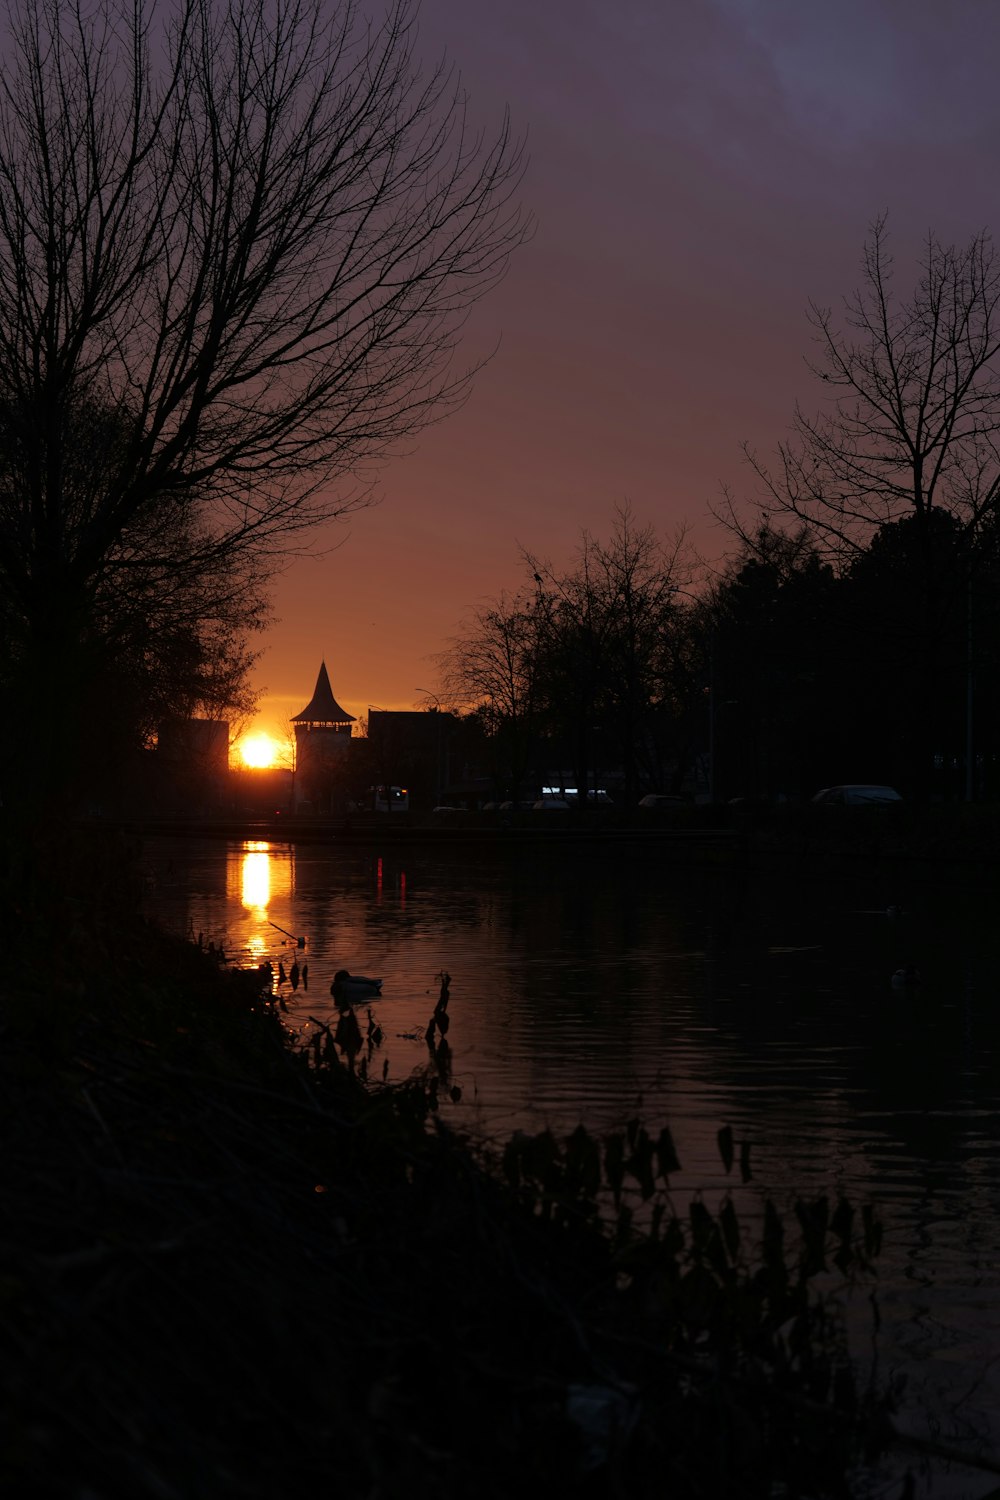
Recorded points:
(259,751)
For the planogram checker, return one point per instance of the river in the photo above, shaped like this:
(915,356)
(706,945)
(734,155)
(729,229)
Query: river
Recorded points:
(601,982)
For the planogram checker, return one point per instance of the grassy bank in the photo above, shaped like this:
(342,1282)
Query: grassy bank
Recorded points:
(231,1269)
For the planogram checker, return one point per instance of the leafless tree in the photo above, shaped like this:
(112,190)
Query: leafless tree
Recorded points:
(490,664)
(913,427)
(608,640)
(586,655)
(247,239)
(491,669)
(898,479)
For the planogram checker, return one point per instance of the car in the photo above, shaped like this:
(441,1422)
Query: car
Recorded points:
(857,794)
(662,799)
(551,804)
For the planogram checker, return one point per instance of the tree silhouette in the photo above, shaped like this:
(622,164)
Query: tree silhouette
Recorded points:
(775,628)
(585,667)
(912,426)
(907,447)
(491,669)
(243,247)
(608,636)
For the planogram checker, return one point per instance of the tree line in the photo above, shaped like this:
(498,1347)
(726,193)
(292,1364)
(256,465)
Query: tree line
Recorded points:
(851,635)
(776,676)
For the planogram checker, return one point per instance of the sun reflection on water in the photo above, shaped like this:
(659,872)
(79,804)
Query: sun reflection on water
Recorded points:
(258,884)
(256,877)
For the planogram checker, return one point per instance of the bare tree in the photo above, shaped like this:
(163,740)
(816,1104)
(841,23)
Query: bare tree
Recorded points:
(607,629)
(248,241)
(491,669)
(914,424)
(642,583)
(587,656)
(907,454)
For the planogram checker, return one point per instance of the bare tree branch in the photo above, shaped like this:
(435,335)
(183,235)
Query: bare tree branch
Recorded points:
(913,424)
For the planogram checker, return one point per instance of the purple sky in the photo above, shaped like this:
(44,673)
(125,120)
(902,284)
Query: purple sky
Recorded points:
(698,170)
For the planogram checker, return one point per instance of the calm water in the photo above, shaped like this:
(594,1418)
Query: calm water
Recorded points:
(599,984)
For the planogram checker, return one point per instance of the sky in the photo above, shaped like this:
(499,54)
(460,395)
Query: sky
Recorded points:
(698,171)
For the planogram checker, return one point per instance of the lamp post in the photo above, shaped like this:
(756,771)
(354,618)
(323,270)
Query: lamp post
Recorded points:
(376,756)
(437,743)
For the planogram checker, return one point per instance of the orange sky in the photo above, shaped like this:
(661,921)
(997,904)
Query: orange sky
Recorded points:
(698,172)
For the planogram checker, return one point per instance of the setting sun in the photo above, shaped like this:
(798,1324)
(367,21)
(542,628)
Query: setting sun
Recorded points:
(259,751)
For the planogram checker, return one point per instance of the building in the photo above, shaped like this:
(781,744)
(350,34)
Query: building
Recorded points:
(322,750)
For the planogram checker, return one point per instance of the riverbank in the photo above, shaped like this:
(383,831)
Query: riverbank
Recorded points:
(457,828)
(231,1269)
(945,828)
(953,842)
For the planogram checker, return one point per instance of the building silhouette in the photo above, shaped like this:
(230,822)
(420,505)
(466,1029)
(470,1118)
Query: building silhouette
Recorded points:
(322,748)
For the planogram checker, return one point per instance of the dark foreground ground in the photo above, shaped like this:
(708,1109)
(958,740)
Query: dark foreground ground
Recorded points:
(228,1269)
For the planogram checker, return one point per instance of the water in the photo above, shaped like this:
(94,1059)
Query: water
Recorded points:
(595,984)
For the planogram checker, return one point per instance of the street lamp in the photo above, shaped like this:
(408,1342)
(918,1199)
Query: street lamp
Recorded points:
(437,748)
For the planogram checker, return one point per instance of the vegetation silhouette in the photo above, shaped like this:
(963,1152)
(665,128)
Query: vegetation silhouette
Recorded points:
(237,247)
(783,673)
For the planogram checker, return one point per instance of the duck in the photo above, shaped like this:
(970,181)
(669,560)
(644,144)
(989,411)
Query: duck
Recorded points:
(349,987)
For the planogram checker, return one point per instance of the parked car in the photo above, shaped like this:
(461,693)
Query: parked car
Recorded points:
(551,804)
(857,794)
(662,799)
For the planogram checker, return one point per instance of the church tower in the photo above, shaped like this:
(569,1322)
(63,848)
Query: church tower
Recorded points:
(322,746)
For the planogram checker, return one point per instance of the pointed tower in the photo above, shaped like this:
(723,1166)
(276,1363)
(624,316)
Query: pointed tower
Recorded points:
(322,745)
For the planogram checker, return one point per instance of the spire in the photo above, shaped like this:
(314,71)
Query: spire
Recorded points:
(323,707)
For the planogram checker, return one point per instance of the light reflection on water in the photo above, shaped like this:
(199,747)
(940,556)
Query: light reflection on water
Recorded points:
(695,999)
(255,882)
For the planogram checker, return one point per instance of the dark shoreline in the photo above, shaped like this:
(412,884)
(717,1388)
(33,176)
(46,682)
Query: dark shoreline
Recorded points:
(467,828)
(953,843)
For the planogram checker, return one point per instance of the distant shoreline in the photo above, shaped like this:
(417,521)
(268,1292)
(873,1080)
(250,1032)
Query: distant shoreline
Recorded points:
(952,839)
(466,828)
